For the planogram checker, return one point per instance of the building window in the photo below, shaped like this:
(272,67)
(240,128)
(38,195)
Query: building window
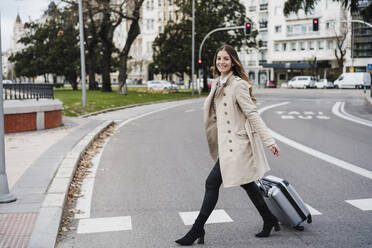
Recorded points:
(311,45)
(330,44)
(278,29)
(284,46)
(302,46)
(321,45)
(276,47)
(293,46)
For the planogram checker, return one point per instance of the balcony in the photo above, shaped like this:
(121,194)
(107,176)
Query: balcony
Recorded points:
(252,8)
(262,61)
(263,6)
(263,24)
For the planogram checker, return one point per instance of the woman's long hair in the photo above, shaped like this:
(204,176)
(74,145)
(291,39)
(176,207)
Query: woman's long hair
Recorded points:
(236,66)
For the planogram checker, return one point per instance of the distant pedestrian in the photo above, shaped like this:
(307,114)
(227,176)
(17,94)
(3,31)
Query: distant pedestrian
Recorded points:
(229,107)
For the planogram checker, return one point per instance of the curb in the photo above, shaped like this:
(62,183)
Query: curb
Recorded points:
(48,221)
(134,105)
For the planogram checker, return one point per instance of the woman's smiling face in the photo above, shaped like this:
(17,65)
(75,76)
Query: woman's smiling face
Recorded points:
(223,62)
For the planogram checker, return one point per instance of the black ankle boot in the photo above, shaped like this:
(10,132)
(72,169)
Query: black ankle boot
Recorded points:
(191,236)
(268,225)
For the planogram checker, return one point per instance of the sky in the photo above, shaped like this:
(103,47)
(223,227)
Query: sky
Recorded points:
(28,9)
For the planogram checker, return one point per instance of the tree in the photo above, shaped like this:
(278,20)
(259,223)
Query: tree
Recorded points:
(51,48)
(172,49)
(293,6)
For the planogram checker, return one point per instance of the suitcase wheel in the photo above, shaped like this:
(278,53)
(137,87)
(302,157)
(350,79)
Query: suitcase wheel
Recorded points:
(309,219)
(299,228)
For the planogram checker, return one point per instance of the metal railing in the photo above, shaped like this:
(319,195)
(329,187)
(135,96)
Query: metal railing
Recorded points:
(27,91)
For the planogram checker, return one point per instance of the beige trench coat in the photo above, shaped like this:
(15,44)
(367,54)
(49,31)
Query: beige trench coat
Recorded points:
(226,133)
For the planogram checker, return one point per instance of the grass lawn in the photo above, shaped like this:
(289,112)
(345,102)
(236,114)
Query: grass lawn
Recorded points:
(96,100)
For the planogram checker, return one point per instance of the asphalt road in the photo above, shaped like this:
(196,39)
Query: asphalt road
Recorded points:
(155,166)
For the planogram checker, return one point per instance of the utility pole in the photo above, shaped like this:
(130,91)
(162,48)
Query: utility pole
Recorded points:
(82,54)
(193,48)
(5,196)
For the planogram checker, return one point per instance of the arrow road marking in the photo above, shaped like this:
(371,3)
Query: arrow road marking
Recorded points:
(320,155)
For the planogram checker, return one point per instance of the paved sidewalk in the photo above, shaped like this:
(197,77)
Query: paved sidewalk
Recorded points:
(32,159)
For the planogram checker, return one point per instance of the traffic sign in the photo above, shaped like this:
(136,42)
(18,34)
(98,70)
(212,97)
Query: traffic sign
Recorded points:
(369,68)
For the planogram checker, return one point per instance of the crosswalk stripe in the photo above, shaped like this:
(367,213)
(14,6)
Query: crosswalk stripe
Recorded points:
(362,204)
(312,210)
(108,224)
(217,216)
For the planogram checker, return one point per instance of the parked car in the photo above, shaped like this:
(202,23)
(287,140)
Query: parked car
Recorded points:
(302,82)
(161,85)
(353,80)
(6,81)
(323,84)
(270,84)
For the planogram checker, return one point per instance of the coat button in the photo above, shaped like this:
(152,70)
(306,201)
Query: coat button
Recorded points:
(225,113)
(224,94)
(230,141)
(229,131)
(228,122)
(225,104)
(215,118)
(230,150)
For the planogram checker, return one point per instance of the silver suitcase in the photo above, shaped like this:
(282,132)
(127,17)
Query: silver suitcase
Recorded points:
(284,202)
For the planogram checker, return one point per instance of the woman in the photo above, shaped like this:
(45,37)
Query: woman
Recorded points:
(229,107)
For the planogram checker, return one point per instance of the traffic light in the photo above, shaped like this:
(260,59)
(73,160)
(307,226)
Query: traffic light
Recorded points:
(200,61)
(315,24)
(248,28)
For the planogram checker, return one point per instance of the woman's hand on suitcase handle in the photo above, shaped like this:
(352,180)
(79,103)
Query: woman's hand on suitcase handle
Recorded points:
(275,149)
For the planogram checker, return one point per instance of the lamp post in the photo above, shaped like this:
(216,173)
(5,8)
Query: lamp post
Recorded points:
(193,47)
(5,196)
(82,54)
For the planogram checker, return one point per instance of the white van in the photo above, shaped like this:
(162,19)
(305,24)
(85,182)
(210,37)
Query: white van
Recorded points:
(353,80)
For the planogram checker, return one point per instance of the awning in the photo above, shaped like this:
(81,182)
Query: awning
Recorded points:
(296,65)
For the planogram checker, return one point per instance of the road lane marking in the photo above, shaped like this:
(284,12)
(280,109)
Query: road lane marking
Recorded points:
(84,203)
(312,210)
(320,155)
(217,216)
(339,110)
(362,204)
(189,110)
(148,113)
(109,224)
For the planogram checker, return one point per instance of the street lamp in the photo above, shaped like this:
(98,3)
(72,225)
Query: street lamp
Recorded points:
(5,196)
(82,54)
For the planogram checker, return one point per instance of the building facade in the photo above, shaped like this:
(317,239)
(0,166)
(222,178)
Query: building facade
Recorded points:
(289,47)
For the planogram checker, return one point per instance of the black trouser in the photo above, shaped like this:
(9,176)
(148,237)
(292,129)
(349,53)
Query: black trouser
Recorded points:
(212,186)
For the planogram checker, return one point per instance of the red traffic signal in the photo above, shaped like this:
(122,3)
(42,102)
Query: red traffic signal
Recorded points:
(315,24)
(248,28)
(199,61)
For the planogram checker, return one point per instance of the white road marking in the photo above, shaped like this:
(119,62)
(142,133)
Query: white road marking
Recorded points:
(217,216)
(307,117)
(148,113)
(109,224)
(362,204)
(323,117)
(309,113)
(338,109)
(320,155)
(189,110)
(291,117)
(312,210)
(294,113)
(84,203)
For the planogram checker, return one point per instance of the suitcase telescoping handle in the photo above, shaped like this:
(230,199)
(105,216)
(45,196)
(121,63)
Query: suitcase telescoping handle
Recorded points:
(263,187)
